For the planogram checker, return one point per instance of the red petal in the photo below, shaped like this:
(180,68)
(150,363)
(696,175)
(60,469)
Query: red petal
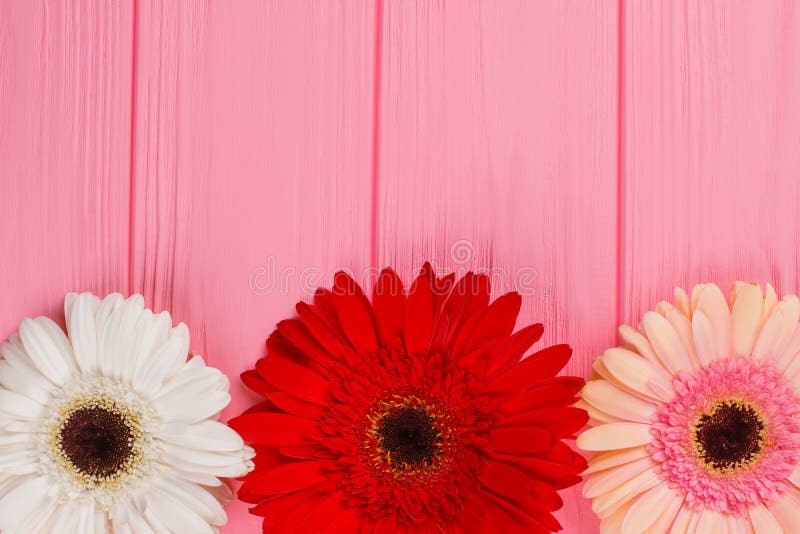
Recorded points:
(520,440)
(355,313)
(389,302)
(470,295)
(533,369)
(273,428)
(561,391)
(296,333)
(328,337)
(293,378)
(325,512)
(300,452)
(278,506)
(537,467)
(562,422)
(544,497)
(347,521)
(290,477)
(419,316)
(292,405)
(516,345)
(498,321)
(253,380)
(505,480)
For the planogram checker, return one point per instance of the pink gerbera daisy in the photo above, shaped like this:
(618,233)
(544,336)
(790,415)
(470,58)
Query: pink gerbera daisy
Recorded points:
(696,418)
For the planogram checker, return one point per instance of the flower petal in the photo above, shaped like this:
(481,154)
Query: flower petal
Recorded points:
(295,379)
(666,342)
(763,521)
(616,402)
(638,375)
(44,351)
(649,508)
(22,500)
(609,459)
(709,300)
(355,313)
(614,436)
(613,478)
(745,317)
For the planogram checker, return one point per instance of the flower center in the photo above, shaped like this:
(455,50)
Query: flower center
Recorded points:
(97,440)
(730,436)
(409,437)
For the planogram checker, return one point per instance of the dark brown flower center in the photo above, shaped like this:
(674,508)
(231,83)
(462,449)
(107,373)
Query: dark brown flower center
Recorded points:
(409,436)
(729,436)
(97,441)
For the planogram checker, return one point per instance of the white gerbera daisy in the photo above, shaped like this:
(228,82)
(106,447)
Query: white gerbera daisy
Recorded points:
(111,429)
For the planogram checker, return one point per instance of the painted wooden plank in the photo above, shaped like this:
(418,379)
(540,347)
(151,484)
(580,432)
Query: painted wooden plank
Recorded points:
(712,147)
(498,150)
(65,109)
(253,155)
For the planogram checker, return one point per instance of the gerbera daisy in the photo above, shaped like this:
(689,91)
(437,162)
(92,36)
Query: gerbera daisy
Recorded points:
(111,429)
(413,414)
(696,419)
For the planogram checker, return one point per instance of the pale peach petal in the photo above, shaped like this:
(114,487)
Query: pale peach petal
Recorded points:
(666,342)
(785,510)
(596,417)
(778,328)
(634,340)
(794,478)
(711,522)
(614,401)
(613,478)
(683,326)
(612,523)
(682,302)
(711,301)
(607,503)
(650,510)
(789,351)
(638,375)
(704,339)
(608,459)
(685,521)
(745,316)
(763,521)
(613,436)
(770,300)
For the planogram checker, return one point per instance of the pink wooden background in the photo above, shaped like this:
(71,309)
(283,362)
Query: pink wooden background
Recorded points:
(221,157)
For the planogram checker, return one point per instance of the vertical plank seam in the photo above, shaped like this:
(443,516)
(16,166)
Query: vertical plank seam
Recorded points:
(620,160)
(131,185)
(376,123)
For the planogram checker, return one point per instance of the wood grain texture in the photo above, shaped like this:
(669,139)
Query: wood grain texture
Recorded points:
(65,107)
(498,151)
(712,147)
(253,167)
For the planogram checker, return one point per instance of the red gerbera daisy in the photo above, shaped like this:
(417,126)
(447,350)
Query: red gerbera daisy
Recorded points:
(413,414)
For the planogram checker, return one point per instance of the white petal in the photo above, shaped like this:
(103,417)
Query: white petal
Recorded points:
(614,436)
(195,498)
(220,465)
(601,483)
(175,515)
(190,382)
(646,511)
(616,402)
(165,361)
(193,409)
(26,381)
(80,312)
(210,435)
(745,316)
(23,500)
(43,350)
(666,342)
(608,459)
(763,521)
(108,323)
(19,406)
(155,334)
(638,375)
(118,338)
(201,479)
(711,301)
